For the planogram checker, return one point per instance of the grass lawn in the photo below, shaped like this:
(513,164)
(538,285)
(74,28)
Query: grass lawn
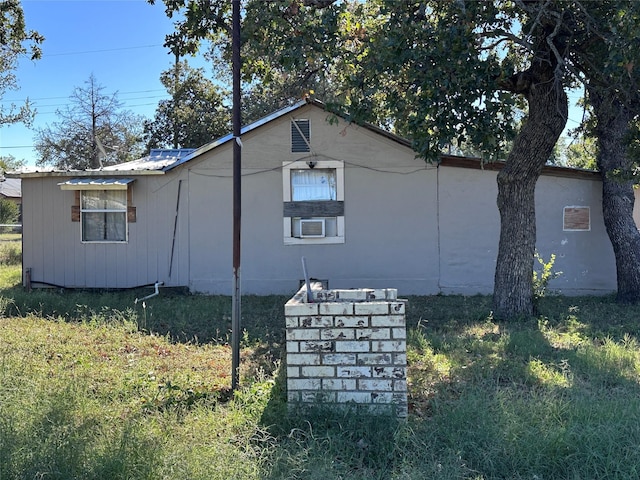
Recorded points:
(95,386)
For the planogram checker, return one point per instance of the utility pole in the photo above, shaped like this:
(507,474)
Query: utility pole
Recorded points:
(237,154)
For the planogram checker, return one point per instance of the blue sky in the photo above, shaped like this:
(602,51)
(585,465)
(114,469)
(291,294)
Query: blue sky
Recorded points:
(118,41)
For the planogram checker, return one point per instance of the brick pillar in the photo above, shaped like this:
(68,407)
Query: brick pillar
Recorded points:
(347,347)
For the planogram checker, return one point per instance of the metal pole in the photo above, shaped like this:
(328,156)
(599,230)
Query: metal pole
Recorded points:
(237,154)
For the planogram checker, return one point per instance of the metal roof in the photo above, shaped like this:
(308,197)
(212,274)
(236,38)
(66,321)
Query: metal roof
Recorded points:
(160,161)
(157,159)
(11,188)
(88,183)
(170,152)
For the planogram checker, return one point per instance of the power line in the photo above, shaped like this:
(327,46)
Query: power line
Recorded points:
(22,100)
(85,52)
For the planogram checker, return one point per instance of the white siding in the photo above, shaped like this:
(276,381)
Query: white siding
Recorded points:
(52,242)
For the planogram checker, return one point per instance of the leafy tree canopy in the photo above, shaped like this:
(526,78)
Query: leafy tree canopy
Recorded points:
(196,113)
(15,41)
(9,212)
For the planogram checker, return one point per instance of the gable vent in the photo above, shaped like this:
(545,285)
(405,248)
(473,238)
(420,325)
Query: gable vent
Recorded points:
(312,228)
(300,136)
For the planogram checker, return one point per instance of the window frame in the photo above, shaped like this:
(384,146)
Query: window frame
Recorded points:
(287,167)
(124,211)
(572,210)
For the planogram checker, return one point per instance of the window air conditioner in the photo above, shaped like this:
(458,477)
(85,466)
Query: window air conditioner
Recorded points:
(312,228)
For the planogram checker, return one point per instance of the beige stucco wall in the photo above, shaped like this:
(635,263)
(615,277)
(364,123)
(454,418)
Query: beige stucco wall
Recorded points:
(585,257)
(408,224)
(470,233)
(390,219)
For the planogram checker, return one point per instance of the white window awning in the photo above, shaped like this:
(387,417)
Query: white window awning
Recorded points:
(96,184)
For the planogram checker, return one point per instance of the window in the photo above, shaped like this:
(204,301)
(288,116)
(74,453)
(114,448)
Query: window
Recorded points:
(576,219)
(300,136)
(103,206)
(312,184)
(103,215)
(313,194)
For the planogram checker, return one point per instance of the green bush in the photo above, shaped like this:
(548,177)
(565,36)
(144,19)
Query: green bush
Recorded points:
(9,212)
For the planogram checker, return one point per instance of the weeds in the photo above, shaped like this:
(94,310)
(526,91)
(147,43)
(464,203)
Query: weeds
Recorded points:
(89,389)
(10,253)
(542,278)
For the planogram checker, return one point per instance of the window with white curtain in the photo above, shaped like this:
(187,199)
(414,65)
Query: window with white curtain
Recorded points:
(313,184)
(103,215)
(313,194)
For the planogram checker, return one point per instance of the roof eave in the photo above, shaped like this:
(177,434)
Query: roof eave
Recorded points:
(84,173)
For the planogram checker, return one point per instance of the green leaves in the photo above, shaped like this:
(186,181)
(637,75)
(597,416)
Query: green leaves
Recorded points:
(15,40)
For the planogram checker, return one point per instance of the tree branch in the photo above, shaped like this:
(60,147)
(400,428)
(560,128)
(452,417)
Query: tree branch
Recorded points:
(506,36)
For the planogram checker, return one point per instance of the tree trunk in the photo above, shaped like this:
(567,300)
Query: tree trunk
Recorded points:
(618,198)
(548,109)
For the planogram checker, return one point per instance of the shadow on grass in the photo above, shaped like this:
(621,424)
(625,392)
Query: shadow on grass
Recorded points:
(174,313)
(60,441)
(554,397)
(548,397)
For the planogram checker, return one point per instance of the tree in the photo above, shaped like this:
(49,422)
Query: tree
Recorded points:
(196,113)
(438,73)
(9,212)
(9,163)
(456,72)
(607,64)
(93,131)
(15,40)
(582,152)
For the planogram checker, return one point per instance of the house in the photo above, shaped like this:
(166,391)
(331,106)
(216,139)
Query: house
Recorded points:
(354,201)
(10,190)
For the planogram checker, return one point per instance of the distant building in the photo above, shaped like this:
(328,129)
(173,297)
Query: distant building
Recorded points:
(11,189)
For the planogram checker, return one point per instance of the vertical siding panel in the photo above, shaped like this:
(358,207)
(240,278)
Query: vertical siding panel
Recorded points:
(127,274)
(58,232)
(145,231)
(89,265)
(48,244)
(72,239)
(153,234)
(32,227)
(112,264)
(131,270)
(166,218)
(180,257)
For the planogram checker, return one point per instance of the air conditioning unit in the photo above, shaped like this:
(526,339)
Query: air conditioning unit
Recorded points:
(312,228)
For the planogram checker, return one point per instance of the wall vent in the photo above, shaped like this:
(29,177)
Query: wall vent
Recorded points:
(300,136)
(312,228)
